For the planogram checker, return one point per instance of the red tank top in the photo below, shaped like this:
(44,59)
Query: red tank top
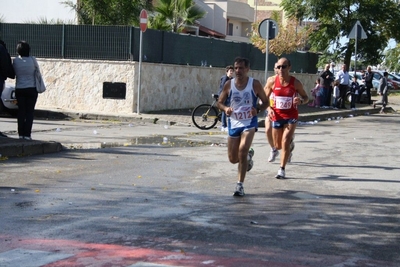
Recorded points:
(283,97)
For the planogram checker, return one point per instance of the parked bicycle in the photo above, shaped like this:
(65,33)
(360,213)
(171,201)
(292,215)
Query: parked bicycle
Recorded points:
(206,116)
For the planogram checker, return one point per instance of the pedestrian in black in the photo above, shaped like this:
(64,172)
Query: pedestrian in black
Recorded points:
(368,77)
(327,78)
(355,90)
(25,89)
(6,69)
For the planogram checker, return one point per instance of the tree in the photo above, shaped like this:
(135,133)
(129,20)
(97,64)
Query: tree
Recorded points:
(290,37)
(392,59)
(175,14)
(336,18)
(109,12)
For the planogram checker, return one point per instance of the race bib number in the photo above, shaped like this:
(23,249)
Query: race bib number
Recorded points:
(283,102)
(242,113)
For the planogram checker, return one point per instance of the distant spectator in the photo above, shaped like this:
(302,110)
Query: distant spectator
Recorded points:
(383,91)
(368,77)
(354,89)
(228,75)
(336,94)
(316,93)
(326,81)
(344,82)
(6,69)
(25,89)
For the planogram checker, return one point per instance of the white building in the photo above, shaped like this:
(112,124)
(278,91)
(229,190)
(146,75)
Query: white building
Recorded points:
(228,19)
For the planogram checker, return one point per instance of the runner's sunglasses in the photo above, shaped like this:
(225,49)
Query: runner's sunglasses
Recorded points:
(281,66)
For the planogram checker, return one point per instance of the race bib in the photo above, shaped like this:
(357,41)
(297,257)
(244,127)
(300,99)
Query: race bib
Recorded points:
(283,102)
(242,113)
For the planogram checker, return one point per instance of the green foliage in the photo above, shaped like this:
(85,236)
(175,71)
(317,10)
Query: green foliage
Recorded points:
(109,12)
(44,20)
(174,15)
(380,20)
(289,39)
(392,60)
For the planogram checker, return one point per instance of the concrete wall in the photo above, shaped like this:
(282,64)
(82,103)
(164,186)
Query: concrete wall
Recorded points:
(77,85)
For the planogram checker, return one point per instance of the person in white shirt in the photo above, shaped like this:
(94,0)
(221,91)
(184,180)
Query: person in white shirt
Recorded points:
(344,82)
(336,94)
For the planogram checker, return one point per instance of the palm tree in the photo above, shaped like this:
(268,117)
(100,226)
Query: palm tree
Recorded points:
(176,14)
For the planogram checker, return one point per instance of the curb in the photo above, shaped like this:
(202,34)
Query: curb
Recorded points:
(21,148)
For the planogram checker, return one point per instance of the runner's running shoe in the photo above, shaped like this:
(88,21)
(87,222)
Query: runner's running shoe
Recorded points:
(272,155)
(281,174)
(290,157)
(250,162)
(239,192)
(292,145)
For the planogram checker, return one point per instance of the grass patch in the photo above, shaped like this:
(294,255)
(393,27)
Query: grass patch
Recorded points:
(394,93)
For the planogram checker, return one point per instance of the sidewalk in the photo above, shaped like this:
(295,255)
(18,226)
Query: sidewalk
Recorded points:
(55,130)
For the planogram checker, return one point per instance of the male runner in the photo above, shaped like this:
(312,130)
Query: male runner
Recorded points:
(283,113)
(243,92)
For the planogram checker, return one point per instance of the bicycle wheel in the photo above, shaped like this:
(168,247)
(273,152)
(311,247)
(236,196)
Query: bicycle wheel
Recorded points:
(205,116)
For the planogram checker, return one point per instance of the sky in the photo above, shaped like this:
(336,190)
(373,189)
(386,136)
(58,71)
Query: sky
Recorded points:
(21,11)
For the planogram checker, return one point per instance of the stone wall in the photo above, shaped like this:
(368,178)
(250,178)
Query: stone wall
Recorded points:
(77,85)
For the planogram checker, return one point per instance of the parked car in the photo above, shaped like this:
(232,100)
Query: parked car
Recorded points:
(392,84)
(394,77)
(8,101)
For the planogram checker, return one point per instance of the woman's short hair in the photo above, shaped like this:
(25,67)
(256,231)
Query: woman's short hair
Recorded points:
(23,49)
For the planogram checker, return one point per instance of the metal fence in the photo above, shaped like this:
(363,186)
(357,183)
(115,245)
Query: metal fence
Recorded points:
(121,43)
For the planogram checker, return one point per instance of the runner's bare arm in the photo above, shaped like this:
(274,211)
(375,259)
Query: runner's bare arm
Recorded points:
(258,89)
(303,99)
(268,90)
(269,85)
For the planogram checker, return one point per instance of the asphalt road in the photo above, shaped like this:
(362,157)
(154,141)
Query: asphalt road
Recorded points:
(171,205)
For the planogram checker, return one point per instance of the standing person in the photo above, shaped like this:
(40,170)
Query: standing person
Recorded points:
(383,91)
(354,90)
(25,90)
(368,77)
(6,69)
(243,92)
(344,81)
(228,75)
(326,82)
(316,92)
(288,93)
(336,94)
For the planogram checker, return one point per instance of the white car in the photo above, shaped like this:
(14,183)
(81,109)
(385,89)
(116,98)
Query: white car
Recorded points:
(8,101)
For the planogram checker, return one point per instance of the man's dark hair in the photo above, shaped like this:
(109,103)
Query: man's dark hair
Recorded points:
(3,44)
(243,60)
(230,67)
(23,49)
(385,74)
